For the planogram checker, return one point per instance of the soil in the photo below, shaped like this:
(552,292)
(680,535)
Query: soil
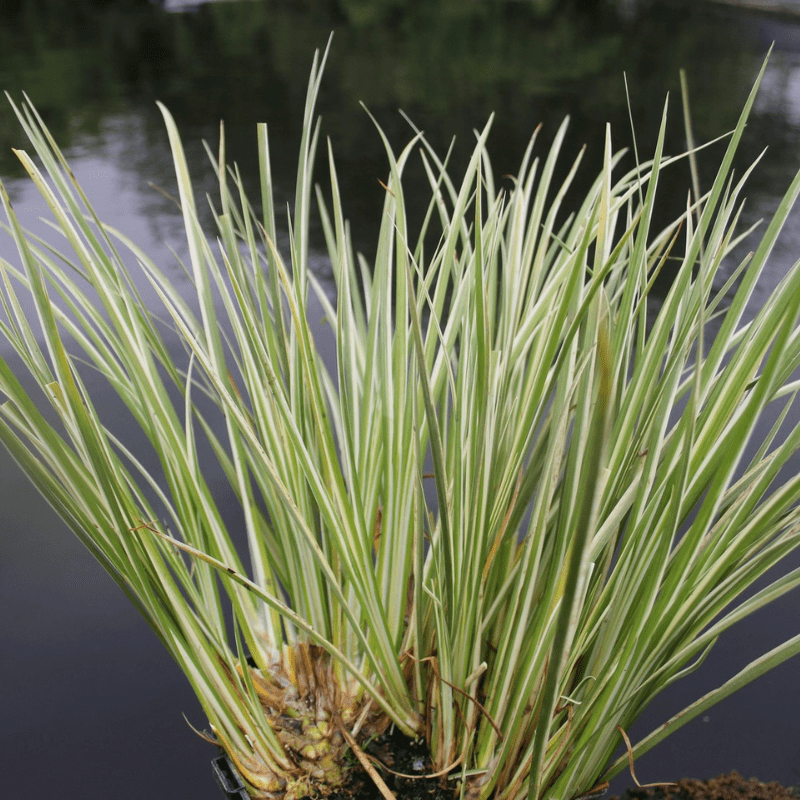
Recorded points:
(398,754)
(724,787)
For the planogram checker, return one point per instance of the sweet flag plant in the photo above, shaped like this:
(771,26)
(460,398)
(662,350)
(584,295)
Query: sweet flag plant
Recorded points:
(525,498)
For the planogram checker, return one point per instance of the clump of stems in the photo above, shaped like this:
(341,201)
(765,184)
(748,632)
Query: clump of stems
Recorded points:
(519,505)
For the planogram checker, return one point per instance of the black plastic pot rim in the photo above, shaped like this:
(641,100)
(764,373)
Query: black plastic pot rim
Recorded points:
(228,778)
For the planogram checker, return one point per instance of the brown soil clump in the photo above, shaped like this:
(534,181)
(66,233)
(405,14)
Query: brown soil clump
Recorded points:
(724,787)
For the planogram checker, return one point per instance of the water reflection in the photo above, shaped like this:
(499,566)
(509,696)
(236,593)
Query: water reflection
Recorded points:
(86,684)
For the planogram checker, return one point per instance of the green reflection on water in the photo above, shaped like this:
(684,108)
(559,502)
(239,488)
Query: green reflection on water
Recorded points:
(449,64)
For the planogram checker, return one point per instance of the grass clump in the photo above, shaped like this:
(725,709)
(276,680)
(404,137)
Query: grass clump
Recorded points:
(519,506)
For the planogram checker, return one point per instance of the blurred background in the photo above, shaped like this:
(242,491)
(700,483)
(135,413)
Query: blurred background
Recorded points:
(91,707)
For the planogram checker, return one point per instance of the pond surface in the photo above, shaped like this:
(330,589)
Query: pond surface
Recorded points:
(91,705)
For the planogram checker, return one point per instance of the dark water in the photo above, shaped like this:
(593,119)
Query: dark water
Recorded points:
(91,707)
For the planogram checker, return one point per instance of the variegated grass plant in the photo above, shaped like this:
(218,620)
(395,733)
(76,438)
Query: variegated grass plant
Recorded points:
(516,508)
